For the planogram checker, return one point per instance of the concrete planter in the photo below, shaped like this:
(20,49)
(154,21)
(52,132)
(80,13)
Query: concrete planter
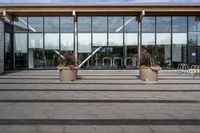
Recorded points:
(147,74)
(68,75)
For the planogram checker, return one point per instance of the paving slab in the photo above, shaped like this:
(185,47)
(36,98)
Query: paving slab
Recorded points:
(101,101)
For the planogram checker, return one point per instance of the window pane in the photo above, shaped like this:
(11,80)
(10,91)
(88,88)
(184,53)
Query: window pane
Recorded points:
(51,41)
(67,41)
(115,39)
(179,48)
(20,50)
(130,25)
(84,42)
(20,43)
(99,24)
(84,24)
(148,38)
(116,31)
(179,24)
(131,38)
(35,24)
(179,38)
(84,34)
(36,50)
(148,34)
(66,24)
(163,38)
(35,40)
(99,28)
(148,24)
(99,39)
(50,59)
(51,24)
(163,24)
(20,24)
(194,23)
(194,28)
(131,29)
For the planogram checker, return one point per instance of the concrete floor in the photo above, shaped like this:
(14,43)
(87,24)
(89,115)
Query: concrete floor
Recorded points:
(99,102)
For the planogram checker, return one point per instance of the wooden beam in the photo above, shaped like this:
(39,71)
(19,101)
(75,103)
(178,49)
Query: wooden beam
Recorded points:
(100,10)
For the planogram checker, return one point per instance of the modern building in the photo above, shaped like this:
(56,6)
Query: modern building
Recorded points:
(33,35)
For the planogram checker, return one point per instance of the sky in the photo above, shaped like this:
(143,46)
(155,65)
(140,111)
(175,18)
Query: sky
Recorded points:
(99,1)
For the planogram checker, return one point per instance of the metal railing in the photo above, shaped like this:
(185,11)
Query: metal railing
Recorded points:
(96,50)
(194,70)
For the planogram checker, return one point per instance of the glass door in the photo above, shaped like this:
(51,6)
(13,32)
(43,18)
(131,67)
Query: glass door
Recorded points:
(193,55)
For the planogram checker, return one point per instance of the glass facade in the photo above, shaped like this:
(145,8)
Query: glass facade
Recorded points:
(37,41)
(163,41)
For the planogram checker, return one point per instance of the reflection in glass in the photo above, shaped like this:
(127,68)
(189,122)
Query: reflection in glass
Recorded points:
(130,59)
(148,25)
(20,24)
(51,41)
(193,40)
(35,50)
(99,60)
(51,49)
(116,56)
(67,41)
(130,31)
(179,40)
(148,38)
(163,24)
(163,40)
(84,34)
(179,24)
(148,30)
(66,24)
(51,59)
(193,23)
(7,52)
(179,47)
(115,31)
(131,41)
(84,41)
(115,39)
(35,24)
(20,50)
(194,29)
(51,24)
(99,39)
(99,29)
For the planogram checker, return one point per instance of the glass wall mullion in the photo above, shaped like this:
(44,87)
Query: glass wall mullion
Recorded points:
(43,44)
(27,43)
(124,50)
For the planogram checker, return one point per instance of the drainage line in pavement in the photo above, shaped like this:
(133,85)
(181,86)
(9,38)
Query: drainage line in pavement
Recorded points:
(94,101)
(124,90)
(99,122)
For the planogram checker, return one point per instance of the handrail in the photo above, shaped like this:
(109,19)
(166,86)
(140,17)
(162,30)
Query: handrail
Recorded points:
(194,70)
(59,54)
(96,50)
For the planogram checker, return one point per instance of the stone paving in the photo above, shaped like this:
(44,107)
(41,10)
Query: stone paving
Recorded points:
(99,102)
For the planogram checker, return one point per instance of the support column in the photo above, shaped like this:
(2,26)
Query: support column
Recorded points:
(1,46)
(139,42)
(140,35)
(75,37)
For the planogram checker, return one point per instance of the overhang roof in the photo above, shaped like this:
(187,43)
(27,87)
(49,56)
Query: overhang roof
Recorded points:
(35,9)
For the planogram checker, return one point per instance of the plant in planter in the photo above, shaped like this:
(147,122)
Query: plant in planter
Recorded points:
(67,67)
(148,69)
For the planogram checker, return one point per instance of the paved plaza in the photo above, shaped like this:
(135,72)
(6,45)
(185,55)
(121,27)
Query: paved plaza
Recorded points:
(100,101)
